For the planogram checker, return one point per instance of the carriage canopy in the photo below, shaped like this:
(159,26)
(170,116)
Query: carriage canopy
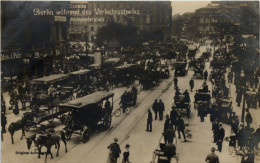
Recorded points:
(93,98)
(50,79)
(80,72)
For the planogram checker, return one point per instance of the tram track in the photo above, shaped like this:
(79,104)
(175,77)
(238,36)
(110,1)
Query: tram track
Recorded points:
(115,126)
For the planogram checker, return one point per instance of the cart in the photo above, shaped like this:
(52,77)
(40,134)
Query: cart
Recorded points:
(87,114)
(159,154)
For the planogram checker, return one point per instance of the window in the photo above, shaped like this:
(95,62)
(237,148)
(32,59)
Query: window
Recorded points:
(92,28)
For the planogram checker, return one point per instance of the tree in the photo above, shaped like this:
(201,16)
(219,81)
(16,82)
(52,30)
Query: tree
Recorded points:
(125,35)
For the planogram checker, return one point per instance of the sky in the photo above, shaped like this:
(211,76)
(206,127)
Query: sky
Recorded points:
(180,7)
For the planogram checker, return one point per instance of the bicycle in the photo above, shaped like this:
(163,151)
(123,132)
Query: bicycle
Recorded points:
(119,111)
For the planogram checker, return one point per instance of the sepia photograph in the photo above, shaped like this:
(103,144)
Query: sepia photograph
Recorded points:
(130,81)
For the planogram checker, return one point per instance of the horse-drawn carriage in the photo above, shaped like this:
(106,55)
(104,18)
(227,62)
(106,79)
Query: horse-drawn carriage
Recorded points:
(87,114)
(40,88)
(125,74)
(206,55)
(222,109)
(149,78)
(182,103)
(192,51)
(199,68)
(181,68)
(165,153)
(251,98)
(202,95)
(165,72)
(79,77)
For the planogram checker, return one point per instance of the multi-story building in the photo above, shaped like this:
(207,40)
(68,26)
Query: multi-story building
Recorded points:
(224,20)
(145,16)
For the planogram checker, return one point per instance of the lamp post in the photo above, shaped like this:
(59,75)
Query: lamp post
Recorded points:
(86,37)
(242,75)
(244,88)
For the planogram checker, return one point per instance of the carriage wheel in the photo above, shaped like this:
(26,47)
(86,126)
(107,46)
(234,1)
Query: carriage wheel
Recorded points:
(68,135)
(127,110)
(86,135)
(117,113)
(107,121)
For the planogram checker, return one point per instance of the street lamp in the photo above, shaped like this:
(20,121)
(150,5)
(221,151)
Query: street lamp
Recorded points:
(86,37)
(242,75)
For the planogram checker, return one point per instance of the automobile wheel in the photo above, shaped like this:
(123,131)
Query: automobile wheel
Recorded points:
(107,121)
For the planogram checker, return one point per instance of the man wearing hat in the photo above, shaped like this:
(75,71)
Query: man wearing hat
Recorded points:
(173,117)
(114,152)
(212,158)
(126,154)
(155,108)
(161,109)
(220,137)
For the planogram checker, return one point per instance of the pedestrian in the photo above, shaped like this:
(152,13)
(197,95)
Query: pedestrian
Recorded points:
(175,82)
(173,117)
(241,136)
(239,96)
(257,134)
(124,101)
(155,108)
(181,127)
(220,137)
(149,121)
(215,130)
(114,152)
(134,91)
(167,122)
(126,154)
(212,158)
(249,118)
(161,109)
(230,77)
(205,75)
(3,121)
(191,84)
(169,135)
(16,108)
(201,112)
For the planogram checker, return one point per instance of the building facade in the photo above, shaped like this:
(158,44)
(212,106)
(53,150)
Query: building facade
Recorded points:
(145,16)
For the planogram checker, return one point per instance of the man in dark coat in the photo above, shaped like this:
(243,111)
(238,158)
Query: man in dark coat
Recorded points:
(191,84)
(239,96)
(181,127)
(220,137)
(212,158)
(167,122)
(155,108)
(173,117)
(205,75)
(249,118)
(124,101)
(175,82)
(201,112)
(134,91)
(186,96)
(161,109)
(215,129)
(149,121)
(114,150)
(3,121)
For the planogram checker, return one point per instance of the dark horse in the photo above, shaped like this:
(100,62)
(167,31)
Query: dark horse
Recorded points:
(48,141)
(16,126)
(20,125)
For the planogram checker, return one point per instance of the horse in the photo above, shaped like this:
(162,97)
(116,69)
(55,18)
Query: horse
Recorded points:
(16,126)
(20,125)
(48,141)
